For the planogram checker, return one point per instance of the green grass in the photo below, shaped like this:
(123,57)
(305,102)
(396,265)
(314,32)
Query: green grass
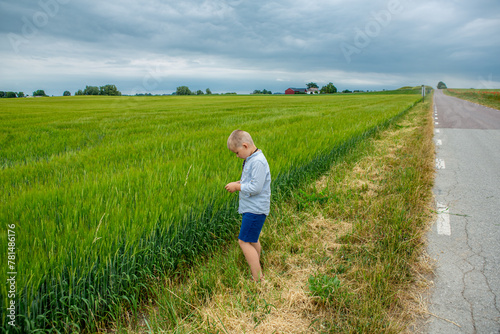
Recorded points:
(107,192)
(487,97)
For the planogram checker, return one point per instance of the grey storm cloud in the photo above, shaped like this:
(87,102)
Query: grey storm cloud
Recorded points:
(245,45)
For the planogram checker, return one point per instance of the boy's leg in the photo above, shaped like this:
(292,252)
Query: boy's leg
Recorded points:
(253,258)
(257,247)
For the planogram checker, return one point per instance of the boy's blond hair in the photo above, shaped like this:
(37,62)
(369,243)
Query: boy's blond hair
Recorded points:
(237,138)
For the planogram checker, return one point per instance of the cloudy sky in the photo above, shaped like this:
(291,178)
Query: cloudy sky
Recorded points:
(153,46)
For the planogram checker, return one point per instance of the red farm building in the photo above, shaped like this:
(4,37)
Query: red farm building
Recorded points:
(296,91)
(302,91)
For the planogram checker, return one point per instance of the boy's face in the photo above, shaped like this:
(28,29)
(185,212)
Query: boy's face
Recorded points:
(243,152)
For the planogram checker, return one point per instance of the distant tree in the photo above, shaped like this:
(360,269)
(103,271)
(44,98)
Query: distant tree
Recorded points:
(39,92)
(20,94)
(312,85)
(110,90)
(183,90)
(2,94)
(79,92)
(329,89)
(199,92)
(264,91)
(441,85)
(208,91)
(346,91)
(91,90)
(66,93)
(10,95)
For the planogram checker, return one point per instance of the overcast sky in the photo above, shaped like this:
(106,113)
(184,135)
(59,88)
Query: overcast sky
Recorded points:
(153,46)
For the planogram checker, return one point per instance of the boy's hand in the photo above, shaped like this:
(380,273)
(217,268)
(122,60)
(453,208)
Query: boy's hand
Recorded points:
(233,186)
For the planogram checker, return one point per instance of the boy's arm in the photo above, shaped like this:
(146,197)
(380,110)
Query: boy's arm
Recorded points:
(233,186)
(258,178)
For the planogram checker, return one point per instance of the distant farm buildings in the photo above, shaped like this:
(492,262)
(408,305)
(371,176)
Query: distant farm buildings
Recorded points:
(302,91)
(296,91)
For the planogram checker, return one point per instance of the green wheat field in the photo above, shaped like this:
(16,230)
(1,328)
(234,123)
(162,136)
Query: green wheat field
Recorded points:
(105,193)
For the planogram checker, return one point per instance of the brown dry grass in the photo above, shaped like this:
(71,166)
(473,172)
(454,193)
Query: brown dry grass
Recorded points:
(293,309)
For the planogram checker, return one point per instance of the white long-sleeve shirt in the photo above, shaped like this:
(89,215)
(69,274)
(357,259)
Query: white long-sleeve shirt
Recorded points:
(255,193)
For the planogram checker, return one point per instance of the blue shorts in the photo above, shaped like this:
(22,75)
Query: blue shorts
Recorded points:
(251,225)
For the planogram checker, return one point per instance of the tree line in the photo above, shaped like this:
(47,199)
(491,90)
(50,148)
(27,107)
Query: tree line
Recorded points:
(109,90)
(112,90)
(10,95)
(184,90)
(39,92)
(264,91)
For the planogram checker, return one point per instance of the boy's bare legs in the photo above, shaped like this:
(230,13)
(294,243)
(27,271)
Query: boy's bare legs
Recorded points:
(252,251)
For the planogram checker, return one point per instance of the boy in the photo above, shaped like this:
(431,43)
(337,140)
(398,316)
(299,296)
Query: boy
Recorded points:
(255,197)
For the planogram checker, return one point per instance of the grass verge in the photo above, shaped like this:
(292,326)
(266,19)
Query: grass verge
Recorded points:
(485,97)
(344,254)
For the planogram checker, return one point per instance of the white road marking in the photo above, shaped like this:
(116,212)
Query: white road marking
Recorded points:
(437,131)
(439,142)
(437,123)
(440,164)
(435,118)
(443,220)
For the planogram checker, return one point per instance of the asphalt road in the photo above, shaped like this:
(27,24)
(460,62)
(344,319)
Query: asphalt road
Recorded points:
(465,239)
